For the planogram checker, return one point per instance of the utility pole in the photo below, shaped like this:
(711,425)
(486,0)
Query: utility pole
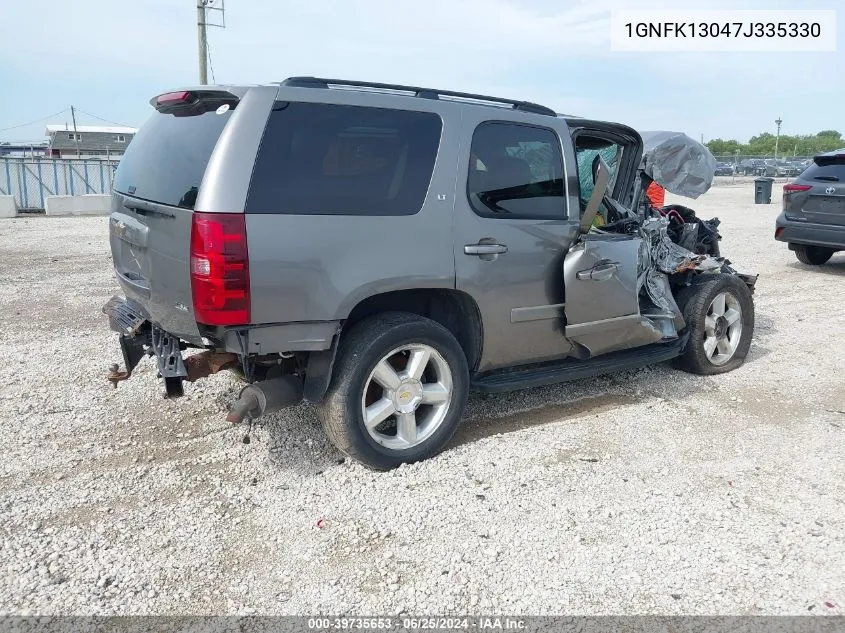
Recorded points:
(75,134)
(203,9)
(202,41)
(778,121)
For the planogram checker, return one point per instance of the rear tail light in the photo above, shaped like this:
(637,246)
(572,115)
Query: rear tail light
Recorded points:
(220,268)
(791,188)
(778,232)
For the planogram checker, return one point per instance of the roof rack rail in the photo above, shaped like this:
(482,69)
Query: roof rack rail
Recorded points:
(423,93)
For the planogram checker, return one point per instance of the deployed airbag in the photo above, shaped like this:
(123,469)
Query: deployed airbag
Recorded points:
(678,163)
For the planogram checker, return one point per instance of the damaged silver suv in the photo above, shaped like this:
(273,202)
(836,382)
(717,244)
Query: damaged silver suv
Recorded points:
(381,250)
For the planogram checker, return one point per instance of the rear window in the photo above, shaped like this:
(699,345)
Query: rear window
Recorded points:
(325,159)
(167,158)
(825,169)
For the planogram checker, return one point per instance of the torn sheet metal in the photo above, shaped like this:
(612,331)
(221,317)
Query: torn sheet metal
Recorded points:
(689,236)
(678,163)
(661,257)
(666,256)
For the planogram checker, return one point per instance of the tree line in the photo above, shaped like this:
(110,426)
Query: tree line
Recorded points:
(764,144)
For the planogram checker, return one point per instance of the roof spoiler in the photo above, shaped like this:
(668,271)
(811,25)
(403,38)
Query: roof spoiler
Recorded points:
(193,102)
(830,158)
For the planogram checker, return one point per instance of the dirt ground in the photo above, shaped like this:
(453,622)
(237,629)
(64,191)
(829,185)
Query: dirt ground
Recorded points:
(650,491)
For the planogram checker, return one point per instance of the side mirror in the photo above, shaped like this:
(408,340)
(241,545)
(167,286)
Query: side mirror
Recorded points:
(602,177)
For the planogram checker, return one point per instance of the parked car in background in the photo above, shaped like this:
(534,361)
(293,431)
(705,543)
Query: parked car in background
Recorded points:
(758,167)
(754,167)
(724,169)
(795,167)
(769,168)
(813,217)
(784,168)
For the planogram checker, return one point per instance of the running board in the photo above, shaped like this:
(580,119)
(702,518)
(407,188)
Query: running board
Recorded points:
(572,369)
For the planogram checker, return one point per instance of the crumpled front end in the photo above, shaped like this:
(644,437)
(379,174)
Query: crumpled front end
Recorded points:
(665,264)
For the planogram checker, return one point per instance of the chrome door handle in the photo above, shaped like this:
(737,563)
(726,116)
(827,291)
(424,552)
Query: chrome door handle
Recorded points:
(485,249)
(599,272)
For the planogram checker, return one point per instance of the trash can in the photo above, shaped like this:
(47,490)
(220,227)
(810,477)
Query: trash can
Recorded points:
(763,190)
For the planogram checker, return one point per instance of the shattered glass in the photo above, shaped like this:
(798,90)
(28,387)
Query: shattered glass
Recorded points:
(585,158)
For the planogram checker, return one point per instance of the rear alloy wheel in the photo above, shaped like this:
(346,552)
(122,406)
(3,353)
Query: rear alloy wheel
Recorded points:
(398,390)
(812,255)
(404,407)
(719,313)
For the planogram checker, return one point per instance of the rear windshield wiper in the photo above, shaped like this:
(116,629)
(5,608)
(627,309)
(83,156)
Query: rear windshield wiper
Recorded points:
(826,178)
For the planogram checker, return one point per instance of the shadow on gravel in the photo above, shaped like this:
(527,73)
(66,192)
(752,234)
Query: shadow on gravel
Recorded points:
(493,414)
(835,267)
(296,442)
(764,327)
(486,426)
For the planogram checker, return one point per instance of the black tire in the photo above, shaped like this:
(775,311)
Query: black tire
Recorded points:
(361,348)
(694,302)
(812,255)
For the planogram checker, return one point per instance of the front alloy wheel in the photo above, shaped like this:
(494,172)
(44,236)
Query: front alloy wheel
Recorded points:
(719,315)
(722,328)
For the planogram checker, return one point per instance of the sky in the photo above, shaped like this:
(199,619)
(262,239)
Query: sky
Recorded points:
(109,57)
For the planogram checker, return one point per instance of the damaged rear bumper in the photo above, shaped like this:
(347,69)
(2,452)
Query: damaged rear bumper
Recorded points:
(140,337)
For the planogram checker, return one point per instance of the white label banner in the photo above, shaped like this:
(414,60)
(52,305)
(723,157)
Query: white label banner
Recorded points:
(723,31)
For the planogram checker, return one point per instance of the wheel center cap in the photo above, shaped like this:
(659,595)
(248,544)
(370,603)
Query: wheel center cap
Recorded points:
(408,396)
(721,327)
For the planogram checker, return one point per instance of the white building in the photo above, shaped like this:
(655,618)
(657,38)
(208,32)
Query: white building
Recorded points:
(88,140)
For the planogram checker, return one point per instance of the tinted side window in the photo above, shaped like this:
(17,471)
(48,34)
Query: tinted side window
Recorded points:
(516,171)
(325,159)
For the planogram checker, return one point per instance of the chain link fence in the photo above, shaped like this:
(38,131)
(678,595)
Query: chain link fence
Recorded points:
(783,167)
(31,180)
(740,157)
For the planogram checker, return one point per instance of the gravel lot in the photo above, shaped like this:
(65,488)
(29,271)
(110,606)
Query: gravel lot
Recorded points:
(650,491)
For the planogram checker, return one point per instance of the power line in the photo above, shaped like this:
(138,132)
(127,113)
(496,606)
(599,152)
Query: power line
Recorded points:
(99,118)
(210,64)
(44,118)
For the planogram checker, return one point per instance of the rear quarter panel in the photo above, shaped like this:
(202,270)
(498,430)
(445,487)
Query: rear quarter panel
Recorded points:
(226,181)
(318,267)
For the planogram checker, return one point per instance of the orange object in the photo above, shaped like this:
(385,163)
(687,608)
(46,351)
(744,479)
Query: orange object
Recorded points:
(656,194)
